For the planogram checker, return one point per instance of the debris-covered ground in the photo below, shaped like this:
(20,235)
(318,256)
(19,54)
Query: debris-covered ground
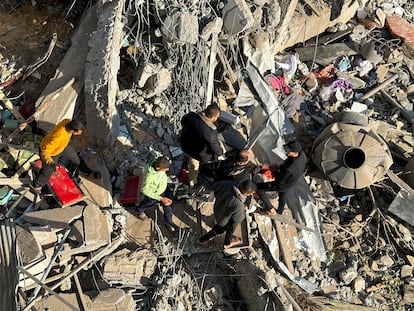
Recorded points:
(336,75)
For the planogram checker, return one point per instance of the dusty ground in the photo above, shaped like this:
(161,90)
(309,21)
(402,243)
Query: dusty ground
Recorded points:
(25,34)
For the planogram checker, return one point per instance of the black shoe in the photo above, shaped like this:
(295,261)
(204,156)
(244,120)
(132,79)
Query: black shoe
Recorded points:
(35,188)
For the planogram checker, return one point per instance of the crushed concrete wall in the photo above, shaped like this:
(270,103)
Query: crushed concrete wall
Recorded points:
(102,65)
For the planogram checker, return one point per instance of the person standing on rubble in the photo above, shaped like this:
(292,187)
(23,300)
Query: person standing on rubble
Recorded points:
(154,189)
(285,177)
(54,146)
(236,167)
(229,211)
(199,139)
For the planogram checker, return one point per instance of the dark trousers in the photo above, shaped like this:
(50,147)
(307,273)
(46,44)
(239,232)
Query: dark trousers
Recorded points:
(217,230)
(268,205)
(147,203)
(45,172)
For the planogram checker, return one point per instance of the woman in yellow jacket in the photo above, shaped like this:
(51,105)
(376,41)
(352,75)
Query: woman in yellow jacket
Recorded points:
(52,147)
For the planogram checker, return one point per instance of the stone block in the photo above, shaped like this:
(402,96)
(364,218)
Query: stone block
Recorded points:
(95,225)
(400,28)
(408,293)
(56,218)
(29,247)
(406,271)
(236,17)
(124,267)
(358,284)
(182,27)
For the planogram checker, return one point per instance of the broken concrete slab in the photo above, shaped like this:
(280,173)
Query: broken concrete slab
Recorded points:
(29,248)
(402,206)
(129,268)
(51,302)
(294,29)
(236,17)
(56,218)
(96,225)
(181,27)
(326,54)
(102,65)
(71,66)
(113,299)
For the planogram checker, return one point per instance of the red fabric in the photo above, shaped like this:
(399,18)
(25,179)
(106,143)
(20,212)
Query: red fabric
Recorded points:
(263,174)
(324,75)
(277,83)
(183,176)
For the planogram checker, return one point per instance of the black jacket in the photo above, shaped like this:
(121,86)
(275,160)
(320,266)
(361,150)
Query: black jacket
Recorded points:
(199,139)
(287,175)
(227,169)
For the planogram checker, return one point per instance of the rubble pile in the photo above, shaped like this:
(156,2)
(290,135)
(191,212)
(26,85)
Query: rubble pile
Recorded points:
(336,78)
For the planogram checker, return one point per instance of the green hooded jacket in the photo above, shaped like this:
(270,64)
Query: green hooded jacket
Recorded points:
(155,182)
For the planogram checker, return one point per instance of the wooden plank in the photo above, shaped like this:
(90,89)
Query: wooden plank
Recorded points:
(226,64)
(284,249)
(378,87)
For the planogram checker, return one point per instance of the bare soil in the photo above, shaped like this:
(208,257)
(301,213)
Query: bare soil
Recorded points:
(25,34)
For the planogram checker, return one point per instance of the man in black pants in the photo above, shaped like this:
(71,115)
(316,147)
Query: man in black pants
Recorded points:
(286,176)
(236,167)
(229,211)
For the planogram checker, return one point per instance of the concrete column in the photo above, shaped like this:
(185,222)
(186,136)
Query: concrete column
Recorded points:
(102,65)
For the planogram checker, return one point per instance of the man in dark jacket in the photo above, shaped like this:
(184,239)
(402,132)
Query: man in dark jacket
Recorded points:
(229,211)
(199,139)
(236,167)
(286,177)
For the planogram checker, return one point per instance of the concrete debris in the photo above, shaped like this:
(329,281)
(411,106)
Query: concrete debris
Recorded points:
(236,17)
(337,77)
(180,27)
(129,269)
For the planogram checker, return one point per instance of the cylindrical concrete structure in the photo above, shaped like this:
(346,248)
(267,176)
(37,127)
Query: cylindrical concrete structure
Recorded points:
(351,156)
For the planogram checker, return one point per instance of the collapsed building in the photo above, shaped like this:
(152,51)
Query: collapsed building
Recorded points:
(132,70)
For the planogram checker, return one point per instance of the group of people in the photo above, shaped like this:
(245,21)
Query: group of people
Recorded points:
(232,179)
(229,178)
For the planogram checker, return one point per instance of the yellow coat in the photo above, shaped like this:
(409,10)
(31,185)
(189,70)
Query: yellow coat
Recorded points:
(55,142)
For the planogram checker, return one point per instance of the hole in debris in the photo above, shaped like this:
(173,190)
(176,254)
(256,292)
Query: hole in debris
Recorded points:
(354,158)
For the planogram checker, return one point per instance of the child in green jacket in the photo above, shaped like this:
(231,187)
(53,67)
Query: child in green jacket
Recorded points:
(154,190)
